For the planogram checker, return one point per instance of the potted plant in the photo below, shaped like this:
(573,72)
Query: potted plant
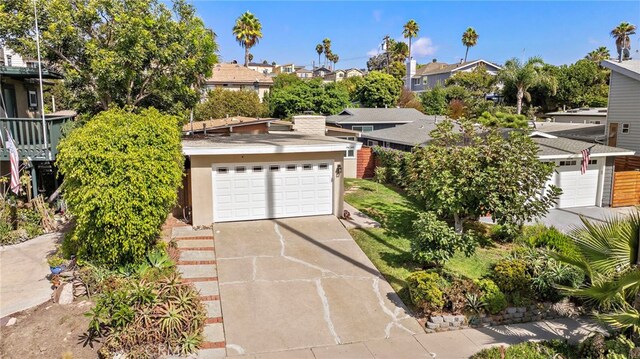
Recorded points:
(56,264)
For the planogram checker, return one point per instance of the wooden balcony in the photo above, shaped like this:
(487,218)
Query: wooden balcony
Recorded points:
(29,137)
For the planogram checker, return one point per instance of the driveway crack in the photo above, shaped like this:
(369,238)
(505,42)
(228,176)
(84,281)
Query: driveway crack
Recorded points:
(394,315)
(296,260)
(327,311)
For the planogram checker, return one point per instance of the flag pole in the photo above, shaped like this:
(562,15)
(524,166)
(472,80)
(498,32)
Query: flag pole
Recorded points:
(44,122)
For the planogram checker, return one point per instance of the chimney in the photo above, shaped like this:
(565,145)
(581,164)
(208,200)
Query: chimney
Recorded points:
(310,124)
(411,71)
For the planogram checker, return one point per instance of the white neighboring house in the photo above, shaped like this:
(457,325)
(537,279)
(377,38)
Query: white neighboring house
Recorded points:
(236,77)
(339,75)
(428,75)
(261,67)
(623,116)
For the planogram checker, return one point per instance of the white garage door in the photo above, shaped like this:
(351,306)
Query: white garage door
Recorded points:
(246,191)
(578,190)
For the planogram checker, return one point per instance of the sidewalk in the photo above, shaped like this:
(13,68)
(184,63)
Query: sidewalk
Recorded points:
(358,219)
(24,270)
(445,345)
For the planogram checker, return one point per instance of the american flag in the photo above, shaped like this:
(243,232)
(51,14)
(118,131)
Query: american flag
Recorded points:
(586,156)
(15,163)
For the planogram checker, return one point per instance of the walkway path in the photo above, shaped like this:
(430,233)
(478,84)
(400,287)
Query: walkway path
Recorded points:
(23,273)
(358,219)
(444,345)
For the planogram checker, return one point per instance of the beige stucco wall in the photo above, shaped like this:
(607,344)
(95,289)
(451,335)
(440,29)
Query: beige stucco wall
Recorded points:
(22,104)
(202,187)
(350,167)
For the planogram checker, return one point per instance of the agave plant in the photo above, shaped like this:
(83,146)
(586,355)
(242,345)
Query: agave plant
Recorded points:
(609,258)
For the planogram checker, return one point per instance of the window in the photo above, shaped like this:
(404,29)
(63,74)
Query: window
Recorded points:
(371,143)
(9,60)
(33,99)
(348,138)
(307,167)
(593,162)
(257,168)
(274,168)
(351,153)
(222,170)
(596,122)
(416,81)
(367,128)
(323,166)
(568,163)
(240,169)
(625,128)
(291,167)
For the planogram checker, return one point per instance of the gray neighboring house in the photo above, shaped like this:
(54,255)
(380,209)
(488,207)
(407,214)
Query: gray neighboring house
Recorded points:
(623,117)
(428,75)
(371,119)
(593,188)
(593,115)
(576,131)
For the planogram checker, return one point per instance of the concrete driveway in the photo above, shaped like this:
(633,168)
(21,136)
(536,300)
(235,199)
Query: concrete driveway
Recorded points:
(300,283)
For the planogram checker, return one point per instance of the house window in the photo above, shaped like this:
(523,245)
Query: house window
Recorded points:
(368,128)
(222,170)
(593,162)
(274,168)
(625,128)
(257,168)
(595,122)
(416,81)
(307,167)
(240,169)
(348,138)
(33,99)
(8,60)
(323,166)
(567,163)
(372,143)
(350,153)
(291,167)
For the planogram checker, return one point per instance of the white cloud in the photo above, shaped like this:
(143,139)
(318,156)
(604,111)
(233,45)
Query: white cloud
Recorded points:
(423,47)
(377,15)
(373,52)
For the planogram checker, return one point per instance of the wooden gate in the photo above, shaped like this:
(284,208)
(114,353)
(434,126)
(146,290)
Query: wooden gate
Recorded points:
(626,182)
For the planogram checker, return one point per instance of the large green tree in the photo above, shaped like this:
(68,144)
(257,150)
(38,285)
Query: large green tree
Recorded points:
(135,53)
(434,101)
(379,90)
(477,82)
(469,39)
(220,103)
(522,76)
(247,31)
(294,96)
(466,172)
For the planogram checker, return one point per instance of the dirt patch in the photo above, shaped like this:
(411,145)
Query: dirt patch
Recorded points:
(48,331)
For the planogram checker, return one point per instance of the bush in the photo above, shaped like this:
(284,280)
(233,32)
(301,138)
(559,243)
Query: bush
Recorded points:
(425,290)
(122,171)
(594,347)
(380,175)
(553,239)
(510,275)
(434,242)
(395,162)
(495,301)
(457,293)
(221,103)
(505,233)
(531,350)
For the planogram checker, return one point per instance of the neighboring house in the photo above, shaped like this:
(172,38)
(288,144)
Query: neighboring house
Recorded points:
(428,75)
(21,115)
(623,128)
(251,177)
(594,188)
(577,131)
(371,119)
(229,125)
(262,67)
(235,77)
(321,71)
(594,115)
(284,69)
(304,73)
(339,75)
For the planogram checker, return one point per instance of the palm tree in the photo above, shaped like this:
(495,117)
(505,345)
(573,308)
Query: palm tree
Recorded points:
(326,44)
(409,31)
(469,39)
(250,57)
(334,59)
(399,51)
(319,50)
(248,31)
(621,34)
(598,55)
(386,43)
(524,76)
(610,257)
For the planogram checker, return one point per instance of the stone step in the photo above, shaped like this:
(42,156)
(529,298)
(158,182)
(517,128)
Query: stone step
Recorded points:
(207,288)
(179,232)
(194,243)
(197,256)
(214,353)
(214,332)
(197,271)
(213,308)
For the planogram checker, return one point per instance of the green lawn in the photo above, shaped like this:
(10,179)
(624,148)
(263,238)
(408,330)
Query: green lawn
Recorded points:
(389,247)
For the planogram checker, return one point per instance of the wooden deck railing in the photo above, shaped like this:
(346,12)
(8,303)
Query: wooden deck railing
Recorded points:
(29,137)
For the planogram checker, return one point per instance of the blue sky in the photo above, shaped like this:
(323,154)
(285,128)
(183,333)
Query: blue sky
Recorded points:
(559,32)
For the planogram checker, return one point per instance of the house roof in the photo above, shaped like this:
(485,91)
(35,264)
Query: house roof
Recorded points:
(410,134)
(587,111)
(630,68)
(376,115)
(217,123)
(287,142)
(23,72)
(234,73)
(303,70)
(259,64)
(577,131)
(434,68)
(559,147)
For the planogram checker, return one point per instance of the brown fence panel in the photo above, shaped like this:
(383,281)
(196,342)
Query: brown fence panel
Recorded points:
(626,189)
(627,163)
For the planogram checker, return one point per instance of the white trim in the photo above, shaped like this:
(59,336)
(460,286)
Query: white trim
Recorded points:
(252,150)
(542,134)
(600,195)
(578,155)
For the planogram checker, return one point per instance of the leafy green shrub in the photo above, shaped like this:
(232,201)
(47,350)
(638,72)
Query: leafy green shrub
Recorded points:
(495,301)
(425,290)
(395,162)
(146,310)
(554,240)
(594,347)
(122,171)
(505,233)
(510,275)
(620,346)
(531,350)
(380,174)
(434,242)
(457,294)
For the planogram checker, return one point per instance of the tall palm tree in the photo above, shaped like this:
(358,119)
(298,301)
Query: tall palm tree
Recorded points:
(598,55)
(621,34)
(326,44)
(334,58)
(610,257)
(386,43)
(409,31)
(469,39)
(524,76)
(319,50)
(248,31)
